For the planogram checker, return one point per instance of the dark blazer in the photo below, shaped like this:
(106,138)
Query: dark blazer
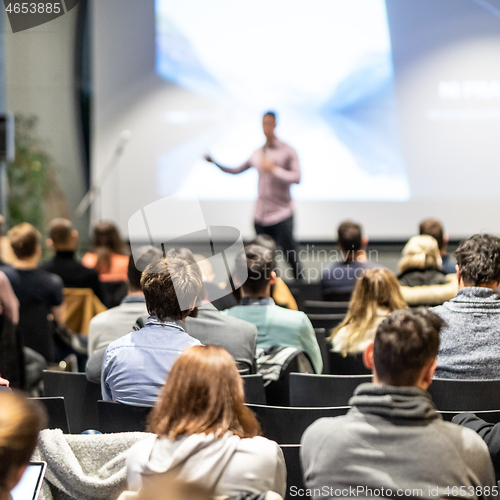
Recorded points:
(238,337)
(489,432)
(73,274)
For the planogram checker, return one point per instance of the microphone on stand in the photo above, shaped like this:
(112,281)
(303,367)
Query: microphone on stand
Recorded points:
(95,188)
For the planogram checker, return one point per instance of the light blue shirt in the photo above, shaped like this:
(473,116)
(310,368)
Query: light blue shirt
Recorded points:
(136,366)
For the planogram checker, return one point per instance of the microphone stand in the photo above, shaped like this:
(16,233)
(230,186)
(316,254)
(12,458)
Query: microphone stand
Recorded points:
(96,187)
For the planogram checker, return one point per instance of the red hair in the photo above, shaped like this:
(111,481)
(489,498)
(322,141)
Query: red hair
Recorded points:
(203,394)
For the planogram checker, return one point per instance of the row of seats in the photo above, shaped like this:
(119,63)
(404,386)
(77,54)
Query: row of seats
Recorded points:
(305,391)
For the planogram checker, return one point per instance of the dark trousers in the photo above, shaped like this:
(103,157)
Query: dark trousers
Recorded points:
(282,234)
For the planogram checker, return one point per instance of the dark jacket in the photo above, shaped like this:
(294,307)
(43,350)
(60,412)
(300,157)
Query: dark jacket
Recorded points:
(418,276)
(489,432)
(73,274)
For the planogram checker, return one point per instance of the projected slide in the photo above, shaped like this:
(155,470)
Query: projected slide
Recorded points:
(324,66)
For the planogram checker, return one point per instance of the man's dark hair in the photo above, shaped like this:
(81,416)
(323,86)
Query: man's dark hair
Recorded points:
(271,113)
(60,230)
(168,283)
(349,237)
(148,254)
(259,263)
(404,343)
(433,228)
(478,259)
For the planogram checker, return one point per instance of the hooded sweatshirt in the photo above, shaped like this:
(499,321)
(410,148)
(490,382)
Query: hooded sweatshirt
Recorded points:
(227,464)
(393,443)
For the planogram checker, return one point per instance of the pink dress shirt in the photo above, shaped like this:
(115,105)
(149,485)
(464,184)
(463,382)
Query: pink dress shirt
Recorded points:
(274,203)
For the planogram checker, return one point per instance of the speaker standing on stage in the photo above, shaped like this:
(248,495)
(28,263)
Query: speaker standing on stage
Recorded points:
(279,168)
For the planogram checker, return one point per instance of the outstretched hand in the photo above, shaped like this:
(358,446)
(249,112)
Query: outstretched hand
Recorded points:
(209,158)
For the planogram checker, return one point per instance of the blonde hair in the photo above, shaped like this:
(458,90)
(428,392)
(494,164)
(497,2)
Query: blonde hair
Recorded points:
(378,288)
(21,420)
(420,251)
(24,239)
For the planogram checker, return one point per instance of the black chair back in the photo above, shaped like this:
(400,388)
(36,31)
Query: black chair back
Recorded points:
(278,392)
(305,291)
(325,307)
(321,335)
(465,395)
(118,417)
(56,411)
(323,390)
(337,296)
(294,476)
(326,321)
(11,353)
(490,416)
(352,364)
(253,385)
(81,398)
(285,425)
(35,329)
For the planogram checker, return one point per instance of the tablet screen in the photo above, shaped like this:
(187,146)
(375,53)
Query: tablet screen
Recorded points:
(31,482)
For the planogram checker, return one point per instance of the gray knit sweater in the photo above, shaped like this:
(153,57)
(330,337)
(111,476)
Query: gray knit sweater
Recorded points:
(470,345)
(394,439)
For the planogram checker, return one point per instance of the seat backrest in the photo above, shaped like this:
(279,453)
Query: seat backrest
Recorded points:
(326,321)
(56,411)
(118,417)
(337,296)
(490,416)
(253,386)
(321,335)
(285,425)
(305,291)
(352,364)
(294,479)
(11,354)
(35,329)
(465,395)
(323,390)
(278,392)
(325,307)
(81,398)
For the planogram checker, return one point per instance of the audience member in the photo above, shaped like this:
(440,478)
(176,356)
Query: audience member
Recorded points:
(393,441)
(470,345)
(276,325)
(118,321)
(9,304)
(40,293)
(421,262)
(205,433)
(136,365)
(205,323)
(21,420)
(337,281)
(434,228)
(237,337)
(64,240)
(279,291)
(108,255)
(209,326)
(376,295)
